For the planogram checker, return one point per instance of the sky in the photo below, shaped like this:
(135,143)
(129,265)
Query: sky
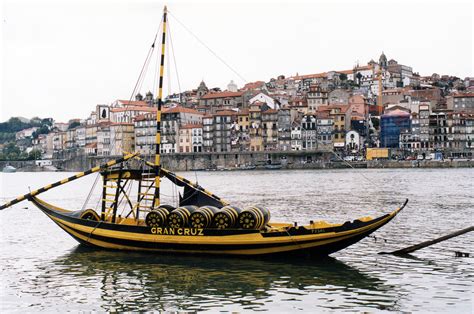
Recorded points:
(61,58)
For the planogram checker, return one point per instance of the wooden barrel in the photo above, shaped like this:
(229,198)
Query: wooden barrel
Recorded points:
(226,218)
(202,217)
(157,217)
(179,218)
(254,217)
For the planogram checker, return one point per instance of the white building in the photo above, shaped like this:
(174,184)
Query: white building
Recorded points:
(353,141)
(296,138)
(264,98)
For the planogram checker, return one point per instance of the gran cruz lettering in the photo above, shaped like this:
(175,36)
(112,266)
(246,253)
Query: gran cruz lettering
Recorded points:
(177,231)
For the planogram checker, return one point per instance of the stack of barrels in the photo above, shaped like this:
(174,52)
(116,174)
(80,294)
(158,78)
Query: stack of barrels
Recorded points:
(227,217)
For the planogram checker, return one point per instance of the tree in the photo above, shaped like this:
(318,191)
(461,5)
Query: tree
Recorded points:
(343,77)
(359,77)
(11,151)
(34,154)
(73,125)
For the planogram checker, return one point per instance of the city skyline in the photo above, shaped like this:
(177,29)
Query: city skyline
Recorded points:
(69,57)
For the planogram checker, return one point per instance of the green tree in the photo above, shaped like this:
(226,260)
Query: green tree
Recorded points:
(34,154)
(73,125)
(343,77)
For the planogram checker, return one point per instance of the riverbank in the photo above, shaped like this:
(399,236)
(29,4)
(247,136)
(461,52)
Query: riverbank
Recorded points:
(242,161)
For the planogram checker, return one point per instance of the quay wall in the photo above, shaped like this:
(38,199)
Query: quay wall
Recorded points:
(231,161)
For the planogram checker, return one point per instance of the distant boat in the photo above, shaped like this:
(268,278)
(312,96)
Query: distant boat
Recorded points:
(273,166)
(247,167)
(9,169)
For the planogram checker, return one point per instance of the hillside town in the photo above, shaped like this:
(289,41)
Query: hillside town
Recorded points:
(381,104)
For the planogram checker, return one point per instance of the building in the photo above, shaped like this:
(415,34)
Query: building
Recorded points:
(145,134)
(284,129)
(316,97)
(392,125)
(171,121)
(353,142)
(325,130)
(224,131)
(463,102)
(242,131)
(264,98)
(424,127)
(222,100)
(208,133)
(269,126)
(122,138)
(296,143)
(309,139)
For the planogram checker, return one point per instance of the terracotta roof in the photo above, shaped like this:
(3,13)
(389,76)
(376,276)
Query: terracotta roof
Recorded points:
(310,76)
(463,95)
(191,126)
(243,112)
(143,117)
(92,145)
(180,109)
(222,95)
(396,112)
(254,85)
(225,113)
(270,111)
(133,108)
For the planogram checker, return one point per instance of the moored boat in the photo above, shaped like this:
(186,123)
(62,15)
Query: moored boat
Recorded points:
(200,223)
(9,169)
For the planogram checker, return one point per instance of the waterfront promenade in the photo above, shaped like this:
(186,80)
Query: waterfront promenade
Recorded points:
(245,160)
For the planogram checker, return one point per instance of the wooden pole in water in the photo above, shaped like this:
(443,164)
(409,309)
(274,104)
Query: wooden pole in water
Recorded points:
(64,181)
(422,245)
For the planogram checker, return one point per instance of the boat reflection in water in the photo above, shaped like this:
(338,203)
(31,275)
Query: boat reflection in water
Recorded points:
(139,281)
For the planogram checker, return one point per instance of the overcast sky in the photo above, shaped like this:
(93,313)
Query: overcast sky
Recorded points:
(61,58)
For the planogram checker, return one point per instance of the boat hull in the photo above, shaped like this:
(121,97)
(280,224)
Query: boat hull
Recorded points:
(294,241)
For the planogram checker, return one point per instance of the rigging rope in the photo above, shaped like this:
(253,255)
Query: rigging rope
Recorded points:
(207,47)
(90,192)
(175,64)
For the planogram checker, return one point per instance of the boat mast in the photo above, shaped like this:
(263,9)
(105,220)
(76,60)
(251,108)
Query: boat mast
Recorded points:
(156,201)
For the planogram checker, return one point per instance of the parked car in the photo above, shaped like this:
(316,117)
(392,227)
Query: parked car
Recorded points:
(411,158)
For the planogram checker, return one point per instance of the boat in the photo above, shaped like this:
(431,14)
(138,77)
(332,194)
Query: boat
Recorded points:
(273,166)
(201,223)
(9,169)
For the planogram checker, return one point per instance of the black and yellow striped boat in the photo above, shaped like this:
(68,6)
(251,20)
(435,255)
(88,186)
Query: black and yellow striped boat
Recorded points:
(202,223)
(316,239)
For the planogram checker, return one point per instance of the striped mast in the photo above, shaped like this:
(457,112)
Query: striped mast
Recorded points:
(156,200)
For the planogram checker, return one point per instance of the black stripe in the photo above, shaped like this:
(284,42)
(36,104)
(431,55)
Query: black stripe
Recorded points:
(161,86)
(162,62)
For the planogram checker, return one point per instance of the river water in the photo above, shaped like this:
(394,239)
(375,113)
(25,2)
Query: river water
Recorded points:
(43,269)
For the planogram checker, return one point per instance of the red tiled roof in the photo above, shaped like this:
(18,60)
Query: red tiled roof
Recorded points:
(133,108)
(243,112)
(181,109)
(310,76)
(191,126)
(253,85)
(462,95)
(225,113)
(397,112)
(222,95)
(270,111)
